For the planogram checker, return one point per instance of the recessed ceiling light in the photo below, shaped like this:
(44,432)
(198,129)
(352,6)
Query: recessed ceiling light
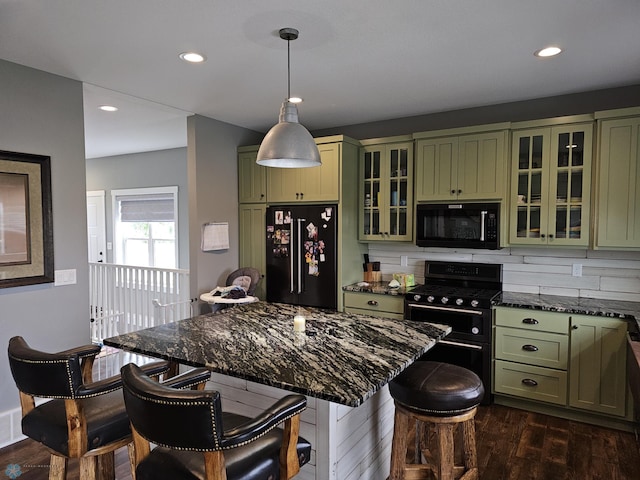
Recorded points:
(295,99)
(548,52)
(192,57)
(108,108)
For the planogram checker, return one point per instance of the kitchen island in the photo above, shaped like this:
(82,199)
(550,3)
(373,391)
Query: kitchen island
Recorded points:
(340,362)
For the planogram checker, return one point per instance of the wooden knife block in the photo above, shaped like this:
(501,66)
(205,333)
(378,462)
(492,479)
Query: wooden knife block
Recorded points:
(371,276)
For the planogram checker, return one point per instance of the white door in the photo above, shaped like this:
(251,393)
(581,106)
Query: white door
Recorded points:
(96,226)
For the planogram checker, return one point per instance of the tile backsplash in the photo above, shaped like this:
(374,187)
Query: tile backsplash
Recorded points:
(604,274)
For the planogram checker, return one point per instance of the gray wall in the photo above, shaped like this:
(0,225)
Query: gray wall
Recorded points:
(574,104)
(213,195)
(160,168)
(42,114)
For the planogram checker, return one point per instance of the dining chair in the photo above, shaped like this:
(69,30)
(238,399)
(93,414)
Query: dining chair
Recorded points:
(83,419)
(195,439)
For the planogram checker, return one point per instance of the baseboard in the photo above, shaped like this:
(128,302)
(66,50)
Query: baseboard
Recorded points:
(567,414)
(10,427)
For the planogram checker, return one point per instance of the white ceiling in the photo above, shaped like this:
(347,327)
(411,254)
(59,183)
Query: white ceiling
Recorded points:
(356,61)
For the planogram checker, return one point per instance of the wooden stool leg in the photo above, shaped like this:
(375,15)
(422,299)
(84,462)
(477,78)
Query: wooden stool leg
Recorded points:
(88,467)
(57,467)
(399,445)
(105,467)
(469,448)
(445,451)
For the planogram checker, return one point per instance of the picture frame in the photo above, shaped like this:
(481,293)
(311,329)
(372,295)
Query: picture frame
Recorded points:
(26,220)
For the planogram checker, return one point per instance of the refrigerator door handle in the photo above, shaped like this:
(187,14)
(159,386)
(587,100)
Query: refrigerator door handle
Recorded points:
(292,255)
(300,252)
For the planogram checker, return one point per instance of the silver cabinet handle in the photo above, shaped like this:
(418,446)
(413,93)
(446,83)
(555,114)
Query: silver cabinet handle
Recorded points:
(373,303)
(529,382)
(530,348)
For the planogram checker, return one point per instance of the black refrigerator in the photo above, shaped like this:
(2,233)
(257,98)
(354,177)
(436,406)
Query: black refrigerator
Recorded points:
(302,255)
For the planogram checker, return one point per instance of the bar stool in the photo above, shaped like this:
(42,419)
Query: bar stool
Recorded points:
(439,397)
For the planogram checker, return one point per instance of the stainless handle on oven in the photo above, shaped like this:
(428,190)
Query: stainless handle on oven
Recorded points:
(483,216)
(447,309)
(462,345)
(300,251)
(292,256)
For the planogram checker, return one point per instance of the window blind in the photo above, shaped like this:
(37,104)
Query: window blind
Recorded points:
(146,208)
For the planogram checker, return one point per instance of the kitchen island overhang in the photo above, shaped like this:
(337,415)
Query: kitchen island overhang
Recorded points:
(341,357)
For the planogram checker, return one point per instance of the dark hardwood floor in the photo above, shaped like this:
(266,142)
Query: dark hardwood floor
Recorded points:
(512,445)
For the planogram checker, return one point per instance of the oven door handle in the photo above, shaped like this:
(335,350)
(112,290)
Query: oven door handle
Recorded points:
(461,345)
(447,309)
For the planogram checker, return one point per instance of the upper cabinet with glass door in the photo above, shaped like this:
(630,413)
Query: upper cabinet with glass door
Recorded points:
(386,193)
(551,181)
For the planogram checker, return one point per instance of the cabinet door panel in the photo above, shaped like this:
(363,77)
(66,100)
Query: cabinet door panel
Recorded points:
(598,364)
(436,169)
(619,184)
(252,179)
(321,184)
(481,166)
(252,235)
(282,184)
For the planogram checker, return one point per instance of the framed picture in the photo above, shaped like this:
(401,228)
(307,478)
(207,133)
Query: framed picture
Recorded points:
(26,223)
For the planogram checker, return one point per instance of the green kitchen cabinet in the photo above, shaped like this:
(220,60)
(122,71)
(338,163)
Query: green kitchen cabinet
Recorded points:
(597,374)
(551,182)
(462,164)
(617,224)
(252,178)
(252,238)
(313,184)
(574,361)
(386,190)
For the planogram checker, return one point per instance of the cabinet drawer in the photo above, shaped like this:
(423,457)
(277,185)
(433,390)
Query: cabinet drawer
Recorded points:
(535,320)
(534,348)
(374,313)
(374,302)
(534,383)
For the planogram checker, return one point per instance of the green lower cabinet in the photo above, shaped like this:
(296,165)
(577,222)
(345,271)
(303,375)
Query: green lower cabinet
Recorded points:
(577,362)
(597,373)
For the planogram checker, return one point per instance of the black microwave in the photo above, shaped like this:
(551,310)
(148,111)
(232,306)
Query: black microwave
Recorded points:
(458,225)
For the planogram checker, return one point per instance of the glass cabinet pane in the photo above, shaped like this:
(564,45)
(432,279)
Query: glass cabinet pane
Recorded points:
(536,152)
(577,149)
(523,154)
(394,164)
(563,186)
(561,222)
(575,222)
(576,186)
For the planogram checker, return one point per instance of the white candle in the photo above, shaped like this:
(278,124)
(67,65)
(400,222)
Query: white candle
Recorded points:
(298,323)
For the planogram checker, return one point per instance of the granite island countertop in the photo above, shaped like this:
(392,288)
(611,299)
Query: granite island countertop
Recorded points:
(343,358)
(629,311)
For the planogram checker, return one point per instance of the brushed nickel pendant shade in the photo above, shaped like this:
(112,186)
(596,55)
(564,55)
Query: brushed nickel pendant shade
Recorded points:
(288,144)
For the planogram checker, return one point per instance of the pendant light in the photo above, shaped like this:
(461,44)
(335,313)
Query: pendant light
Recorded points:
(288,144)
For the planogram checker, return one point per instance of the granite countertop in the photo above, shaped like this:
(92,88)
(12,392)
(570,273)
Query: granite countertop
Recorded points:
(579,305)
(346,359)
(381,288)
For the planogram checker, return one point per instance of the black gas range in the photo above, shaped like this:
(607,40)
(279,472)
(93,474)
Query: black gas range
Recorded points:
(459,295)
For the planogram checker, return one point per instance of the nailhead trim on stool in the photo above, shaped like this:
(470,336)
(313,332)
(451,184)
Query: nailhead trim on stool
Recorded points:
(443,397)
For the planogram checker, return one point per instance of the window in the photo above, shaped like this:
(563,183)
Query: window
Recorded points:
(145,226)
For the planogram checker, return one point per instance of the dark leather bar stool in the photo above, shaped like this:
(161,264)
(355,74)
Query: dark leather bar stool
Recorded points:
(440,397)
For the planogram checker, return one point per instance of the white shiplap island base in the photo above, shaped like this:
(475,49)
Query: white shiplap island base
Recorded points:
(342,363)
